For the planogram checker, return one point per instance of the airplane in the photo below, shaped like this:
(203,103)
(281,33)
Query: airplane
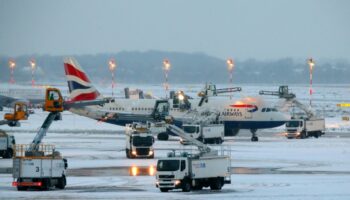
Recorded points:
(247,113)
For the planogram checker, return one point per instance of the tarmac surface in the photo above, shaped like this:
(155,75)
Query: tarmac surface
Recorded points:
(273,168)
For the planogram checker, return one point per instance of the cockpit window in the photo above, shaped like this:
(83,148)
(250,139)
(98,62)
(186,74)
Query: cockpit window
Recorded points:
(269,110)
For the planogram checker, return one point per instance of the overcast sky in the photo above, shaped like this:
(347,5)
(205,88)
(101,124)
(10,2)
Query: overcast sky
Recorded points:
(260,29)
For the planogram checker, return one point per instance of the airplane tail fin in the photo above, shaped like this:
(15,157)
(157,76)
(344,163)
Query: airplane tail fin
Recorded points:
(80,87)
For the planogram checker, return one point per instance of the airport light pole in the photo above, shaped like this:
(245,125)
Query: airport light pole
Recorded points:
(112,66)
(311,63)
(12,65)
(32,64)
(166,68)
(230,65)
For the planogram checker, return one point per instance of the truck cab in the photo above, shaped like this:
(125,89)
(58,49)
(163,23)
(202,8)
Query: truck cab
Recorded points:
(192,172)
(304,127)
(139,141)
(193,130)
(6,144)
(294,128)
(171,173)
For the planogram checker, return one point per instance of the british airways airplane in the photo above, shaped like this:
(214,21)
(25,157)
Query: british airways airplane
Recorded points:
(247,113)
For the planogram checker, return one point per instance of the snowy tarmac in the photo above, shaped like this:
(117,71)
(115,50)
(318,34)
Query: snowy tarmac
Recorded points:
(273,168)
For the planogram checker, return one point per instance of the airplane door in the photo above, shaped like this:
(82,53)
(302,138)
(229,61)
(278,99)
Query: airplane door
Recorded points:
(248,113)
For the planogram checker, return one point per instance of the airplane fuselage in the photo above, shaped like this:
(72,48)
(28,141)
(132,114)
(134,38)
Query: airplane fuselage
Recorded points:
(234,114)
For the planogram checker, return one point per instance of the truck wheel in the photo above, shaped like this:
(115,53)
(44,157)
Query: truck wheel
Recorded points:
(164,189)
(303,135)
(254,139)
(61,182)
(13,124)
(45,184)
(186,187)
(216,184)
(21,188)
(220,141)
(198,186)
(206,184)
(127,152)
(163,136)
(318,134)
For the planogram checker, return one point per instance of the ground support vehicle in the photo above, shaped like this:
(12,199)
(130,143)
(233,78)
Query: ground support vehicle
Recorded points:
(139,141)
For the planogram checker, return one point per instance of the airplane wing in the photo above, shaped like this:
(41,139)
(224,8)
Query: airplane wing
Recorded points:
(6,101)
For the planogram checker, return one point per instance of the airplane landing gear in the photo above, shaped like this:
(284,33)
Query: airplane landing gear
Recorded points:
(163,136)
(254,136)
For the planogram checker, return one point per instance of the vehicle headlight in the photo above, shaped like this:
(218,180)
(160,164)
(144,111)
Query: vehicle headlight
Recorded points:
(298,133)
(133,152)
(134,171)
(151,170)
(150,152)
(177,182)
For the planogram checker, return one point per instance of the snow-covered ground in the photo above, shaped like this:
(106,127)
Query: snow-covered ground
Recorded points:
(273,168)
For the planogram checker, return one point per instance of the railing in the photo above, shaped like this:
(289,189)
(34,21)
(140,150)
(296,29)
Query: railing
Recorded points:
(45,151)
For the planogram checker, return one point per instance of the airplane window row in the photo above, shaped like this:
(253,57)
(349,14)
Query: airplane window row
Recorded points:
(232,110)
(116,108)
(143,109)
(269,110)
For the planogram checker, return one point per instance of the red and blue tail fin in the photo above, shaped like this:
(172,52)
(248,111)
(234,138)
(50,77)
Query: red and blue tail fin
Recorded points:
(79,84)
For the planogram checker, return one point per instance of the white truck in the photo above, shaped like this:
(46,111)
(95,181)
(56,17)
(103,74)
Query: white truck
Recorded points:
(40,172)
(193,171)
(299,127)
(208,134)
(303,128)
(6,144)
(139,141)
